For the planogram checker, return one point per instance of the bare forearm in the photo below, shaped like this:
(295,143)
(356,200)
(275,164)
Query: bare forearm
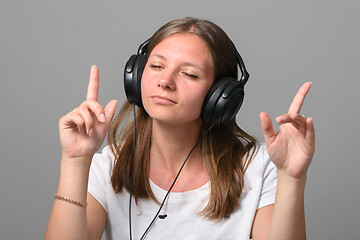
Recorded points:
(68,221)
(288,219)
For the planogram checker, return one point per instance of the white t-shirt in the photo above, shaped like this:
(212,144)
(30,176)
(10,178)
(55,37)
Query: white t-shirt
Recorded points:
(183,220)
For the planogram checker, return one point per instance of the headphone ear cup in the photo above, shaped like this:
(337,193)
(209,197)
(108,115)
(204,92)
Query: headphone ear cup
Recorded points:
(134,69)
(222,102)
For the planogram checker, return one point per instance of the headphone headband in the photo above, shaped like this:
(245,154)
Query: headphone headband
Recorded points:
(244,73)
(143,47)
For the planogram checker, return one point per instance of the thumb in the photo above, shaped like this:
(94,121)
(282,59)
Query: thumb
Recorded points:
(267,128)
(110,110)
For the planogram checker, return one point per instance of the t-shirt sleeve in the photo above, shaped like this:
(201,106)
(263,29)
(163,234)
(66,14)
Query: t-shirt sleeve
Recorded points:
(99,176)
(269,179)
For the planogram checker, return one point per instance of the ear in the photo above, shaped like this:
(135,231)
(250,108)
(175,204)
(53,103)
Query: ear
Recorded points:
(222,102)
(132,78)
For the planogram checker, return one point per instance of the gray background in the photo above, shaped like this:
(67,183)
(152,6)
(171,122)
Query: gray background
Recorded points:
(47,48)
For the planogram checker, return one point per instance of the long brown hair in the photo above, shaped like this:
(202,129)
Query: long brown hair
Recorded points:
(226,151)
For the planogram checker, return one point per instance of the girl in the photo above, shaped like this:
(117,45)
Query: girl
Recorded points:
(229,187)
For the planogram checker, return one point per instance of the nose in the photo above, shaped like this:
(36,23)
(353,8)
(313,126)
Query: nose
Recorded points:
(167,81)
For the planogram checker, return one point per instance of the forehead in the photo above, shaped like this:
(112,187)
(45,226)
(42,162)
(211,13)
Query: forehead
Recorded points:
(187,46)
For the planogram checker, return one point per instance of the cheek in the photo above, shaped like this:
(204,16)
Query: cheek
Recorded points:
(196,99)
(145,84)
(145,90)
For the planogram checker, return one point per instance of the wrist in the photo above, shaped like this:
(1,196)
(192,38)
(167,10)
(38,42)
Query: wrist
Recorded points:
(284,179)
(74,175)
(76,162)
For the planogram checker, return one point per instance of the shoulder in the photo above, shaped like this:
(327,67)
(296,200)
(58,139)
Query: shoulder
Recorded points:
(261,177)
(260,157)
(103,162)
(260,165)
(99,184)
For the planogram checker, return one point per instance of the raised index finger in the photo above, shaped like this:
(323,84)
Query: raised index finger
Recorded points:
(299,98)
(93,88)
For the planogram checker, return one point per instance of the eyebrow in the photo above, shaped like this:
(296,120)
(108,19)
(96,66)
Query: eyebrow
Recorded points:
(191,64)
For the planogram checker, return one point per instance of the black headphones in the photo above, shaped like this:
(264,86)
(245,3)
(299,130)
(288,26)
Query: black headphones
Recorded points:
(221,103)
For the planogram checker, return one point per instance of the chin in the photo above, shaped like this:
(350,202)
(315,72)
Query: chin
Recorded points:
(172,116)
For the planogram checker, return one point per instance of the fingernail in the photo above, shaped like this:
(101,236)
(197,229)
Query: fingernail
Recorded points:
(91,132)
(102,118)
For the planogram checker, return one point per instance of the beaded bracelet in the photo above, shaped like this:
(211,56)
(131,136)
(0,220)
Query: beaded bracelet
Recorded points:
(81,204)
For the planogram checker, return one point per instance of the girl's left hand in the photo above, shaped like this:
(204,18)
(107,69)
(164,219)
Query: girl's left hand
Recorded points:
(291,149)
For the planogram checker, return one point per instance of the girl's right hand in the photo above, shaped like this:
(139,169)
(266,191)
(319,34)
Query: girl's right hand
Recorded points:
(83,130)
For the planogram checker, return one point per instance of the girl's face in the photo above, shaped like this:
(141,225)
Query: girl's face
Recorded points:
(177,76)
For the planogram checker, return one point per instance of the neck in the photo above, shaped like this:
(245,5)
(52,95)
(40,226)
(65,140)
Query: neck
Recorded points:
(170,145)
(169,148)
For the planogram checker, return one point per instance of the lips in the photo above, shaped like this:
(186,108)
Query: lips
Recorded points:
(162,100)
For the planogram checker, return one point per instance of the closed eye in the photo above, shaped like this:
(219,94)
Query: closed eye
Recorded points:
(190,75)
(154,66)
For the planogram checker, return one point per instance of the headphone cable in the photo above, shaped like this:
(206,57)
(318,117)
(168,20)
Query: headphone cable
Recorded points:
(132,172)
